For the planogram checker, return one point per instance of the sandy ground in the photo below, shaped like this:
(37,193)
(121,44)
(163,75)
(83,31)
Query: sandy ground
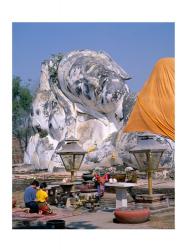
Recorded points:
(104,220)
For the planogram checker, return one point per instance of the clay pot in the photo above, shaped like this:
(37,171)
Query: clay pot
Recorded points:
(132,216)
(87,177)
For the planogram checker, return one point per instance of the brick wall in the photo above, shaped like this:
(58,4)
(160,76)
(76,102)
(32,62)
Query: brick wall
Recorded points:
(17,152)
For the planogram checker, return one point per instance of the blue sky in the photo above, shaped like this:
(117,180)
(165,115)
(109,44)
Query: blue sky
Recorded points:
(134,46)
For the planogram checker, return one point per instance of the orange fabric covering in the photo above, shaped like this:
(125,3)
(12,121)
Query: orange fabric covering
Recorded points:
(154,109)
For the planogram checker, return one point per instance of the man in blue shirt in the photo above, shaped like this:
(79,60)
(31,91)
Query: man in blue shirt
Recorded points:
(30,197)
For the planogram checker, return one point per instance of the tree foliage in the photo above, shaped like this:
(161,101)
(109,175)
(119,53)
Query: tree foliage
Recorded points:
(21,105)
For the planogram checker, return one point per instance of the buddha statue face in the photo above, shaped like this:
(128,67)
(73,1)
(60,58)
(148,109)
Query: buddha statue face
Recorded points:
(93,79)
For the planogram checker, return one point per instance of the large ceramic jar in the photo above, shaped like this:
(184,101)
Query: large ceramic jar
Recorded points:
(137,215)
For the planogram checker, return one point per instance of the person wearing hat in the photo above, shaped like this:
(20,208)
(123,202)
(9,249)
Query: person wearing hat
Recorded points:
(131,175)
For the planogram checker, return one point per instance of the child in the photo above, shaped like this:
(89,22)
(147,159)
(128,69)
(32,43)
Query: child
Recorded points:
(42,197)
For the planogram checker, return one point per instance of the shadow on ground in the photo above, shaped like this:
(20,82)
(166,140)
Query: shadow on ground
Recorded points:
(81,225)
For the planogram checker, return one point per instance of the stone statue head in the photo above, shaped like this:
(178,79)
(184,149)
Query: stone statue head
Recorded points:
(93,79)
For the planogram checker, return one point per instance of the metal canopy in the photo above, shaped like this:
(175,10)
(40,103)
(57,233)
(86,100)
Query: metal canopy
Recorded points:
(147,143)
(71,147)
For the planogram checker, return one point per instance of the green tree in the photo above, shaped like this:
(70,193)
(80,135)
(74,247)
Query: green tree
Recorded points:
(21,106)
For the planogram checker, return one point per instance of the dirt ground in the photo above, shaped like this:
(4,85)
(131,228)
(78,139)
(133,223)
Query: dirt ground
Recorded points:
(104,220)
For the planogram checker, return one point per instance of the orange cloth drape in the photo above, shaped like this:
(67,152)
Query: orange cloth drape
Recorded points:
(154,109)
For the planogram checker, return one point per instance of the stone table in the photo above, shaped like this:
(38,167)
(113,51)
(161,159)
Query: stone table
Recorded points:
(121,192)
(58,190)
(52,193)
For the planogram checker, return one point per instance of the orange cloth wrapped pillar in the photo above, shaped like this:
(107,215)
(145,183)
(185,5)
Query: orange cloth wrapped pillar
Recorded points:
(154,109)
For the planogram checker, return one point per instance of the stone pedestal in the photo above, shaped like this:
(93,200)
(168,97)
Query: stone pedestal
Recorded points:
(153,202)
(17,152)
(121,192)
(121,198)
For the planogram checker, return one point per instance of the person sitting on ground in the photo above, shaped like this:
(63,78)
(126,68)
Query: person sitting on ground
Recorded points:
(42,197)
(30,197)
(131,175)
